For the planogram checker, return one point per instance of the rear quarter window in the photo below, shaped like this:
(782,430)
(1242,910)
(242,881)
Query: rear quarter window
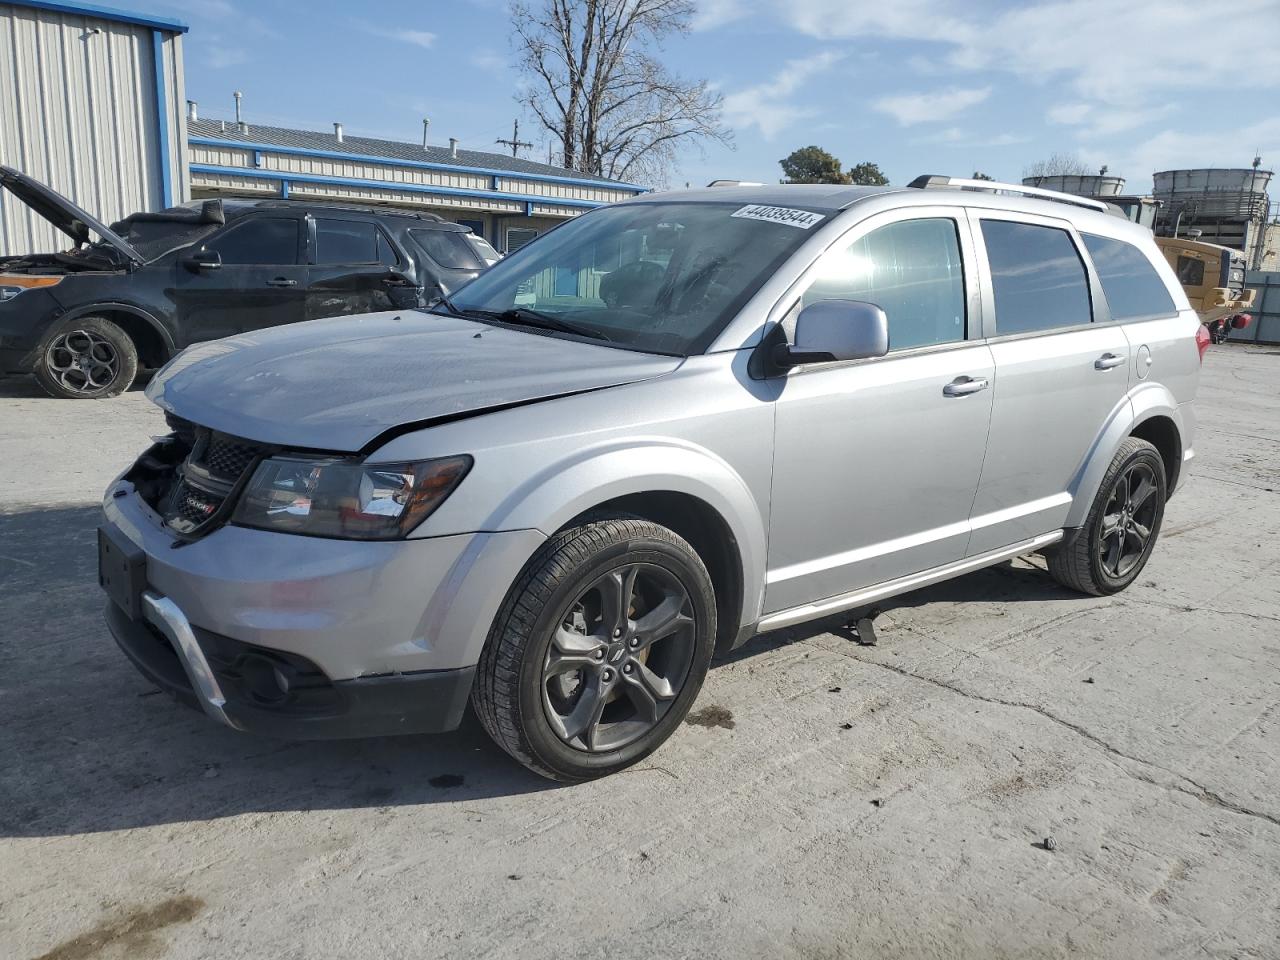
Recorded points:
(1129,281)
(448,248)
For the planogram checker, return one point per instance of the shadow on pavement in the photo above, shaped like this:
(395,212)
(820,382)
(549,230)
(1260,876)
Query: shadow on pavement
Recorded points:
(88,745)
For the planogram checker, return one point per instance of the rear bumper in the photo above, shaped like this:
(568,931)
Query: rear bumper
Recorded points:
(180,660)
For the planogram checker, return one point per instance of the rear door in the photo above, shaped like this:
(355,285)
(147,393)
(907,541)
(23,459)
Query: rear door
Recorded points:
(355,268)
(259,282)
(1062,372)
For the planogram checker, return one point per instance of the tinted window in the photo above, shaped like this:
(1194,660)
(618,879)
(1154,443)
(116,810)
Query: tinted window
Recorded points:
(1131,284)
(1190,272)
(386,252)
(912,271)
(267,240)
(447,248)
(346,241)
(1038,277)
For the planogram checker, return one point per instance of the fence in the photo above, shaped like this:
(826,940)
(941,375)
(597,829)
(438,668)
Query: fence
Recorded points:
(1265,310)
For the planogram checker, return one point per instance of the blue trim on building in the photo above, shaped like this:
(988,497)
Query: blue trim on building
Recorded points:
(387,185)
(105,13)
(416,164)
(162,118)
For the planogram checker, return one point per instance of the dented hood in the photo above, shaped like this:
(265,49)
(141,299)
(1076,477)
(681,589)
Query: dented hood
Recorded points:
(339,384)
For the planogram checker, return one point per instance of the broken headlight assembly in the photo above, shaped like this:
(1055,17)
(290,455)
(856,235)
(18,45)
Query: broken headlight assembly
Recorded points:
(345,499)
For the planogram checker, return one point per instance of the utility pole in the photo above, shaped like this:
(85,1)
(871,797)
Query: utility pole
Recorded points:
(515,143)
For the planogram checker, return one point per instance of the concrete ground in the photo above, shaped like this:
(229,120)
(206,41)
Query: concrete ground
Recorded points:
(831,801)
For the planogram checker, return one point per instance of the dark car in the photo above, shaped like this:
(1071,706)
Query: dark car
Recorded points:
(133,294)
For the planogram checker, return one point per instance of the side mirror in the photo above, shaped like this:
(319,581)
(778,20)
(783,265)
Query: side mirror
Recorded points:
(203,260)
(836,330)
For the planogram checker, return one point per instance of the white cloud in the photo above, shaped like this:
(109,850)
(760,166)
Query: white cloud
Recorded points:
(1088,43)
(912,108)
(1094,121)
(221,56)
(418,38)
(1174,149)
(488,60)
(766,105)
(710,14)
(954,136)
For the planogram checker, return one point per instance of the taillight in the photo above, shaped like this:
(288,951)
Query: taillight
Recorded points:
(1202,340)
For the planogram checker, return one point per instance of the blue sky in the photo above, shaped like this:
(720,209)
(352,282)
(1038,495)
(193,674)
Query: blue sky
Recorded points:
(918,86)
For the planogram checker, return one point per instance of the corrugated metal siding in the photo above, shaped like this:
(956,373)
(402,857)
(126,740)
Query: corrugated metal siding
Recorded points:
(222,184)
(562,191)
(78,112)
(1265,310)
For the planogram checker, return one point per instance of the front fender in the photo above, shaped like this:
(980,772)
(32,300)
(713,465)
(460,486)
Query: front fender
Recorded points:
(549,499)
(1143,402)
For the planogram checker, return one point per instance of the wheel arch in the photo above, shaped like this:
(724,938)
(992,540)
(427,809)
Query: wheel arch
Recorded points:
(1150,413)
(710,536)
(677,484)
(153,341)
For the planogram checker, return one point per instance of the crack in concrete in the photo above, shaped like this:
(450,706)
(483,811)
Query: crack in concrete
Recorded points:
(1197,790)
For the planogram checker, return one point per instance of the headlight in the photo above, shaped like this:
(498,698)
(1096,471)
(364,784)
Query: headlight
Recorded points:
(347,500)
(12,285)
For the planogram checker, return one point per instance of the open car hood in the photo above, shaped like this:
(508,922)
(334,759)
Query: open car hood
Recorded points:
(61,212)
(341,384)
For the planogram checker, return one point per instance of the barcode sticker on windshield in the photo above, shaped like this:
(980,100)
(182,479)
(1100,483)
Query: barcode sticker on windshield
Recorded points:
(791,217)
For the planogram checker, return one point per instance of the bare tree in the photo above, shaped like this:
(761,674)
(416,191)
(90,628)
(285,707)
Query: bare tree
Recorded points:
(600,92)
(1058,165)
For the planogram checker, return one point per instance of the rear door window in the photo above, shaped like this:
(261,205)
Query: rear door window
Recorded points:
(260,240)
(1129,281)
(1037,276)
(448,248)
(346,242)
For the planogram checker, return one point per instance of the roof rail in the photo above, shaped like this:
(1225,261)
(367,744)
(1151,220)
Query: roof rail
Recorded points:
(933,181)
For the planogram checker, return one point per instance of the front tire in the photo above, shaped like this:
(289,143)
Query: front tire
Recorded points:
(87,359)
(1106,554)
(599,649)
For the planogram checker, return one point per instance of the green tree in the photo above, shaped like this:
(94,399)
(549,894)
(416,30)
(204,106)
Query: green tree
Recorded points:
(979,175)
(812,165)
(867,174)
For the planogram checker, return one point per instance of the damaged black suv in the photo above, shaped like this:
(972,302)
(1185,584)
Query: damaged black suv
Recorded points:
(133,294)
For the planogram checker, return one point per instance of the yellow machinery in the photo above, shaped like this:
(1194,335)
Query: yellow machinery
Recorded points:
(1211,275)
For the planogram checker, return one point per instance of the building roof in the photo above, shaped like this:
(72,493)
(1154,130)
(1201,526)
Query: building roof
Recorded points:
(369,148)
(93,11)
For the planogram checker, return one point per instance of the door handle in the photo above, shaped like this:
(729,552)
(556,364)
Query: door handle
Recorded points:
(963,386)
(1109,360)
(395,282)
(282,282)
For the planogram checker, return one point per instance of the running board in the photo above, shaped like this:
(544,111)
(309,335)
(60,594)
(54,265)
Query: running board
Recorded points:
(858,598)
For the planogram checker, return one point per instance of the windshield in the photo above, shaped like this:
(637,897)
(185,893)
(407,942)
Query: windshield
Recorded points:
(658,277)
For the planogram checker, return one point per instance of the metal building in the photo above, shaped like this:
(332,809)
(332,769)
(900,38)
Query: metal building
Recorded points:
(90,103)
(507,200)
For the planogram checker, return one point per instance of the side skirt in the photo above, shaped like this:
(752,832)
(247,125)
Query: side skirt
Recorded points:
(865,595)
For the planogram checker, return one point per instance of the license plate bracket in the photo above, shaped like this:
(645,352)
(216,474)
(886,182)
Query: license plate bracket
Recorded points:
(122,570)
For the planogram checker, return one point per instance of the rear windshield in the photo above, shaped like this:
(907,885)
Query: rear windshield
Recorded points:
(447,248)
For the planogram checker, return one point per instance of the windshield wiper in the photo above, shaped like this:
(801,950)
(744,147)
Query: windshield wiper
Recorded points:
(523,316)
(449,305)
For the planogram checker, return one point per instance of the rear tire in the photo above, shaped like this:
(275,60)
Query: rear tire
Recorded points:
(89,358)
(599,649)
(1106,554)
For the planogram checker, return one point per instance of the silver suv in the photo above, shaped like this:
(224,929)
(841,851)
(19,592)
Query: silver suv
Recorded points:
(660,429)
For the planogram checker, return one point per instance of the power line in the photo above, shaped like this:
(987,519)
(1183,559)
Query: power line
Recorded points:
(515,143)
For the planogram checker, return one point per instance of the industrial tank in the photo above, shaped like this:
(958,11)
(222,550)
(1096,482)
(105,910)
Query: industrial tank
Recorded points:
(1078,185)
(1215,192)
